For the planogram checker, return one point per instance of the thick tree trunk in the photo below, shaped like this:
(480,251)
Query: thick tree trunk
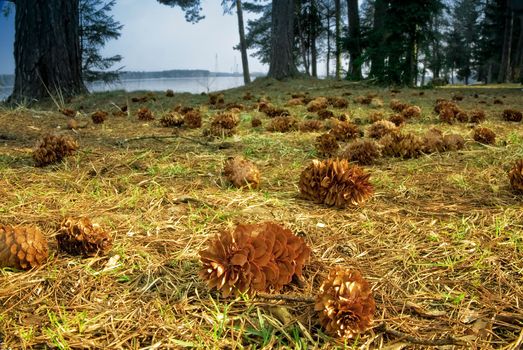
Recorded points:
(282,60)
(47,50)
(377,56)
(355,39)
(507,44)
(337,4)
(313,31)
(243,44)
(327,61)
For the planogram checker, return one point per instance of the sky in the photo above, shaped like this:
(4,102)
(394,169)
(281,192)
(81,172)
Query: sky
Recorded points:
(157,37)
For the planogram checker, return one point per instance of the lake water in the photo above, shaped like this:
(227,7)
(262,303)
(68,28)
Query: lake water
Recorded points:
(193,85)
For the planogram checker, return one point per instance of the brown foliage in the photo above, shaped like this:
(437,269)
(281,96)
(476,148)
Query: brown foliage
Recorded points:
(317,104)
(477,116)
(193,119)
(79,236)
(53,148)
(397,106)
(338,102)
(397,119)
(22,247)
(241,173)
(68,112)
(411,112)
(325,114)
(256,122)
(453,142)
(216,99)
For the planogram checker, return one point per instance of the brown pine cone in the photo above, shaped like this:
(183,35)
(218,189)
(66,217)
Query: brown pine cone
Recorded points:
(256,122)
(485,136)
(325,114)
(512,115)
(53,148)
(310,125)
(477,116)
(381,128)
(172,119)
(401,145)
(433,141)
(337,102)
(81,237)
(317,104)
(326,145)
(411,112)
(345,303)
(99,117)
(193,119)
(225,121)
(447,115)
(376,116)
(22,247)
(397,106)
(444,104)
(397,119)
(453,142)
(515,176)
(282,124)
(68,112)
(335,182)
(241,173)
(363,152)
(345,131)
(216,99)
(295,102)
(145,114)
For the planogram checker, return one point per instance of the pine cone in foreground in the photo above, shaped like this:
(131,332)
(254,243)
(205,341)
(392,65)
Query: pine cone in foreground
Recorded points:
(81,237)
(335,182)
(53,148)
(515,176)
(362,151)
(326,145)
(225,121)
(22,247)
(241,173)
(345,303)
(253,258)
(171,119)
(485,136)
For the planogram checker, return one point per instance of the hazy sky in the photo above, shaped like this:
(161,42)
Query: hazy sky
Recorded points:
(157,37)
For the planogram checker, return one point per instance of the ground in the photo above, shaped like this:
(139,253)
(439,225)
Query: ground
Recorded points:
(440,241)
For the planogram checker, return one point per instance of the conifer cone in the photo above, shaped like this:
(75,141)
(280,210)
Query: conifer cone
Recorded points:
(310,125)
(345,131)
(411,112)
(335,182)
(485,136)
(515,176)
(81,237)
(397,106)
(172,119)
(338,102)
(259,257)
(68,112)
(401,145)
(241,173)
(22,247)
(397,119)
(226,120)
(381,128)
(477,116)
(453,142)
(145,114)
(193,119)
(325,114)
(345,303)
(326,145)
(99,117)
(512,115)
(53,148)
(447,115)
(256,122)
(317,104)
(462,117)
(433,141)
(295,102)
(444,104)
(282,124)
(363,152)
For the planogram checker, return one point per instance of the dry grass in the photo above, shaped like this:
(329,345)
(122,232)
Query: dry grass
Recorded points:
(441,241)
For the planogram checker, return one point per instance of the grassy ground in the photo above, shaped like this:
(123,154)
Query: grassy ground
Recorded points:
(441,240)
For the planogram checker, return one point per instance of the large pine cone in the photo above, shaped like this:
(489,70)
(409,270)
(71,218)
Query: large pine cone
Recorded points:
(477,116)
(335,182)
(317,104)
(397,106)
(22,247)
(345,303)
(81,237)
(433,141)
(241,172)
(253,258)
(515,176)
(411,112)
(53,148)
(453,142)
(362,151)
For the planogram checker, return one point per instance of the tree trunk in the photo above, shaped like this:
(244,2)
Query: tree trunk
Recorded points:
(337,4)
(313,31)
(327,61)
(282,36)
(355,39)
(507,43)
(47,50)
(377,57)
(243,44)
(519,51)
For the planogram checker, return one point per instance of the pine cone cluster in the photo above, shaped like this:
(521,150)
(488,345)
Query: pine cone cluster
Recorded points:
(381,128)
(345,131)
(81,237)
(411,112)
(397,144)
(512,115)
(317,104)
(335,182)
(22,247)
(477,116)
(51,149)
(253,258)
(172,119)
(345,303)
(241,173)
(310,125)
(515,176)
(192,119)
(485,136)
(364,152)
(99,117)
(282,124)
(326,145)
(145,114)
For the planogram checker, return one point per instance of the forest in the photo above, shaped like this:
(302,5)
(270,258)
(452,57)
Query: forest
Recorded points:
(367,193)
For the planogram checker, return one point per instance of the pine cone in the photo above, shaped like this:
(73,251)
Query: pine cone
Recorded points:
(447,115)
(401,145)
(381,128)
(99,117)
(172,119)
(241,173)
(512,115)
(515,176)
(310,125)
(193,119)
(444,104)
(397,106)
(68,112)
(364,152)
(433,141)
(273,112)
(282,124)
(81,237)
(462,117)
(345,303)
(345,131)
(295,102)
(453,142)
(326,145)
(397,119)
(253,258)
(364,100)
(485,136)
(216,99)
(325,114)
(337,102)
(256,122)
(22,247)
(335,182)
(375,116)
(225,121)
(411,112)
(53,148)
(145,114)
(317,104)
(477,116)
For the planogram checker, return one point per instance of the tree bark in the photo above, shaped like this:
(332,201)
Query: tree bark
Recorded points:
(337,4)
(519,51)
(355,40)
(377,57)
(282,60)
(243,44)
(507,43)
(47,50)
(314,50)
(327,61)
